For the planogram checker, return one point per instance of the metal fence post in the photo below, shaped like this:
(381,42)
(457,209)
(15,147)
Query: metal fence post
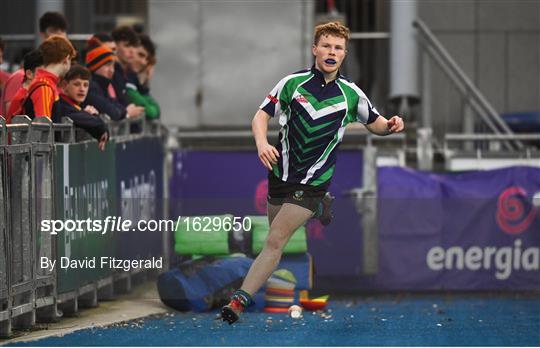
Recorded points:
(66,126)
(365,199)
(424,148)
(369,210)
(5,300)
(169,145)
(22,275)
(426,92)
(42,135)
(468,124)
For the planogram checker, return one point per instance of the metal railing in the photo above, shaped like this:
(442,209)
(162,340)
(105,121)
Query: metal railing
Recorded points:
(484,144)
(27,180)
(5,303)
(28,195)
(484,151)
(491,137)
(474,98)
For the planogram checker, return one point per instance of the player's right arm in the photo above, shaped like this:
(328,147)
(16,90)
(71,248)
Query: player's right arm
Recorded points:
(272,106)
(267,153)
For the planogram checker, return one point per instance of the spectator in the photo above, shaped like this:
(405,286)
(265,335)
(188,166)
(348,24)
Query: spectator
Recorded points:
(137,87)
(57,53)
(50,23)
(102,95)
(75,89)
(107,40)
(126,40)
(32,61)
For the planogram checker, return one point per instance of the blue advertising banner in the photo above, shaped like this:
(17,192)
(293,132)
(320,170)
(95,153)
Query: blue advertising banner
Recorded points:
(139,183)
(218,182)
(472,231)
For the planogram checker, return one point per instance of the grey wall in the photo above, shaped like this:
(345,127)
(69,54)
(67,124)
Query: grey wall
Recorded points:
(217,60)
(497,43)
(17,17)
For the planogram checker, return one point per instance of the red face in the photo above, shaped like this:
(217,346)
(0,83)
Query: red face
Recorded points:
(77,89)
(140,59)
(125,52)
(112,46)
(329,53)
(66,65)
(106,70)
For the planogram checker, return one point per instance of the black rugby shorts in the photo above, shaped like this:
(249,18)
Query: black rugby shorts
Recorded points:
(306,196)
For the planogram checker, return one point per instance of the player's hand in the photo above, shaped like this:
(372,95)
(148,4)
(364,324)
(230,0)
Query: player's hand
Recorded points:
(134,110)
(395,124)
(268,155)
(91,110)
(143,77)
(149,72)
(102,141)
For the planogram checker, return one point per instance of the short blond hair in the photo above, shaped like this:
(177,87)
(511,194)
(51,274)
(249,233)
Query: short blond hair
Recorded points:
(332,28)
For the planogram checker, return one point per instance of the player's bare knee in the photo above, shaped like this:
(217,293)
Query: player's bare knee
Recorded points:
(275,243)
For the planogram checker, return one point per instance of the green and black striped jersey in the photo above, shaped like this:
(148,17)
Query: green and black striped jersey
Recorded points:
(313,115)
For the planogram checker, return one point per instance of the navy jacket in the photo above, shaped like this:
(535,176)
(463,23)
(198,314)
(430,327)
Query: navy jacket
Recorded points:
(92,124)
(119,81)
(99,98)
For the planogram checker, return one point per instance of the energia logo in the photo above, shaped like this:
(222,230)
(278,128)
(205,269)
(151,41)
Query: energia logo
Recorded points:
(503,260)
(513,217)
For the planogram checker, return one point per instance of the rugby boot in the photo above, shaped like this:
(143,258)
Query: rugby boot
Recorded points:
(231,312)
(326,214)
(240,300)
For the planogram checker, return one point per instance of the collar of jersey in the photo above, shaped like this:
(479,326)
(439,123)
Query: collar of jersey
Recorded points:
(70,101)
(45,74)
(319,75)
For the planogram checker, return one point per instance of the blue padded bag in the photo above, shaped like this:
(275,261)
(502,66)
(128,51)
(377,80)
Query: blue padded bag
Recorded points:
(202,284)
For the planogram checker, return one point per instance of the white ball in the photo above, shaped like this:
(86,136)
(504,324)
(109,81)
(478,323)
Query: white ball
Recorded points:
(295,311)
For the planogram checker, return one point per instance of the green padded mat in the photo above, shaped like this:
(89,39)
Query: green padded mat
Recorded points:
(206,238)
(259,230)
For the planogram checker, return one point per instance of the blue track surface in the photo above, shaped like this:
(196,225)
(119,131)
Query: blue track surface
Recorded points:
(441,320)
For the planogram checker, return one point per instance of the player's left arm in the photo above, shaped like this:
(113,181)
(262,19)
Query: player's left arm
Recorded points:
(382,126)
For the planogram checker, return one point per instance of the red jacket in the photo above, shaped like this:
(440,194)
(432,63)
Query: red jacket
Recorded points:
(11,87)
(44,96)
(16,107)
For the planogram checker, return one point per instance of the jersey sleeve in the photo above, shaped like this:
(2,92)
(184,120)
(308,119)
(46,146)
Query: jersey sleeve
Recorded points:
(366,111)
(273,104)
(151,107)
(92,124)
(43,99)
